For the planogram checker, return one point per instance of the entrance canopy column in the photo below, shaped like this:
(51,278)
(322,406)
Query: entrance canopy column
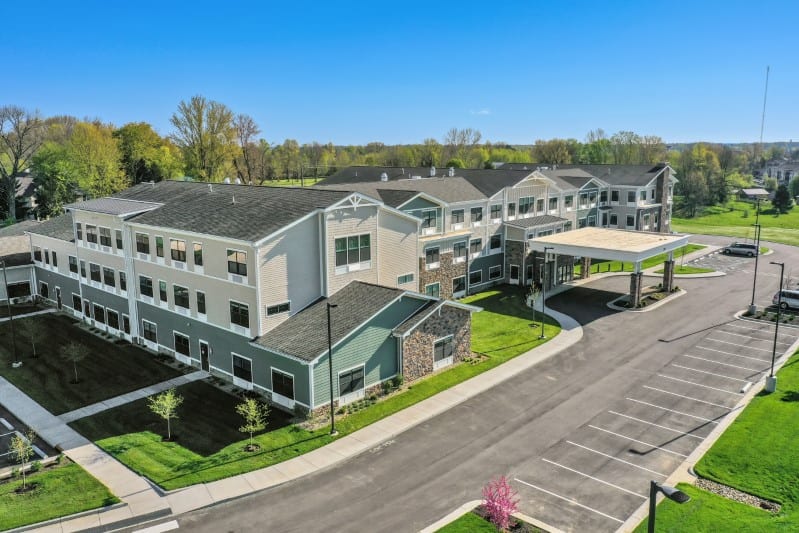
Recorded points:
(636,279)
(668,273)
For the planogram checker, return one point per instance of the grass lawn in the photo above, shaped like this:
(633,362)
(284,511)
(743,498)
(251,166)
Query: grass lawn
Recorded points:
(718,220)
(107,371)
(757,454)
(468,523)
(209,446)
(62,490)
(305,182)
(598,266)
(687,269)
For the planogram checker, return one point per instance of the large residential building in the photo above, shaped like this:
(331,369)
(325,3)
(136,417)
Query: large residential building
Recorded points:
(476,223)
(238,280)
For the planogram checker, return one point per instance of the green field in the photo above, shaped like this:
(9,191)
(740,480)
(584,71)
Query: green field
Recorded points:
(598,266)
(687,269)
(737,219)
(305,182)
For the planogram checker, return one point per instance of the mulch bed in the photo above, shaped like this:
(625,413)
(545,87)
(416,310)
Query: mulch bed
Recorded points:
(516,526)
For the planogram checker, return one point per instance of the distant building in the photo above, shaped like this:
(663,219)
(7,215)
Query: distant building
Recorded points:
(753,194)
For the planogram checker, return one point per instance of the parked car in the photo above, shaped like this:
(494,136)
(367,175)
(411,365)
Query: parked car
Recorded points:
(790,298)
(741,248)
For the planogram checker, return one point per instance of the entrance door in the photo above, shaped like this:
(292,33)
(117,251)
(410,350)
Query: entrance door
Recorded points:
(514,274)
(204,356)
(58,296)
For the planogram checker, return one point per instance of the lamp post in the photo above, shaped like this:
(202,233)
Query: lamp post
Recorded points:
(669,492)
(752,306)
(333,431)
(771,380)
(544,290)
(16,363)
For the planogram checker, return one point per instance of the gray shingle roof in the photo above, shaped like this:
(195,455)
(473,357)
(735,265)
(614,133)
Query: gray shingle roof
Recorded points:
(18,229)
(59,227)
(419,316)
(256,212)
(395,198)
(114,206)
(532,222)
(304,335)
(631,175)
(450,190)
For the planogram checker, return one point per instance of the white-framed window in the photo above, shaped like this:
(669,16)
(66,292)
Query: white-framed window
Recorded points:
(477,216)
(108,277)
(351,384)
(73,265)
(646,220)
(94,273)
(433,289)
(77,304)
(592,220)
(526,204)
(91,234)
(458,286)
(277,309)
(146,288)
(118,236)
(495,243)
(37,254)
(614,219)
(429,221)
(459,252)
(630,221)
(78,231)
(181,298)
(495,272)
(242,371)
(442,352)
(432,258)
(182,345)
(236,265)
(475,247)
(456,219)
(283,388)
(44,290)
(614,196)
(198,255)
(177,250)
(539,206)
(123,281)
(630,197)
(583,200)
(405,278)
(240,317)
(113,319)
(511,211)
(201,303)
(475,277)
(143,244)
(568,202)
(99,313)
(553,205)
(162,295)
(159,249)
(105,238)
(496,213)
(353,253)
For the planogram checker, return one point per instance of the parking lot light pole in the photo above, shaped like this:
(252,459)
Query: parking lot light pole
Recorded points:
(333,431)
(771,380)
(669,492)
(16,363)
(752,306)
(544,290)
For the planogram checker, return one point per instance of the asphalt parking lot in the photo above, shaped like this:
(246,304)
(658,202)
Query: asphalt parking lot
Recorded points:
(726,263)
(8,428)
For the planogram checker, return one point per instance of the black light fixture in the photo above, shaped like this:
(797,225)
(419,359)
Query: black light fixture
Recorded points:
(771,380)
(671,493)
(333,431)
(544,290)
(752,306)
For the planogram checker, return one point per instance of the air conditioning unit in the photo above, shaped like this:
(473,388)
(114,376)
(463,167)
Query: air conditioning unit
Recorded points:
(237,279)
(178,264)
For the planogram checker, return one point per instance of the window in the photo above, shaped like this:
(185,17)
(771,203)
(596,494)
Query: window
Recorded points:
(350,381)
(282,384)
(614,219)
(431,257)
(495,272)
(657,219)
(457,216)
(553,204)
(567,226)
(159,246)
(94,272)
(652,194)
(146,286)
(123,281)
(162,290)
(75,302)
(476,277)
(105,237)
(178,250)
(113,319)
(79,231)
(568,201)
(475,246)
(55,259)
(181,295)
(581,222)
(108,277)
(428,218)
(442,349)
(198,254)
(434,290)
(73,264)
(495,243)
(91,234)
(237,262)
(526,205)
(126,324)
(496,212)
(592,220)
(511,209)
(642,196)
(242,368)
(37,254)
(646,221)
(150,331)
(83,269)
(240,314)
(630,197)
(603,196)
(142,243)
(182,344)
(201,302)
(583,200)
(402,280)
(277,309)
(630,221)
(477,215)
(118,234)
(355,250)
(458,284)
(44,290)
(539,205)
(47,257)
(459,251)
(592,198)
(99,314)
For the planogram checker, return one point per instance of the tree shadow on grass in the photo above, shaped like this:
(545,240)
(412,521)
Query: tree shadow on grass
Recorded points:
(790,396)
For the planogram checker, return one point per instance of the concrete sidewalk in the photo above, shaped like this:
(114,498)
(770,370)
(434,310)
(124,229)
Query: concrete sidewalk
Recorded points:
(42,312)
(122,399)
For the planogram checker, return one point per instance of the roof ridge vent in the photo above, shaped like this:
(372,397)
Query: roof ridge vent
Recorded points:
(234,199)
(451,172)
(433,171)
(210,187)
(383,176)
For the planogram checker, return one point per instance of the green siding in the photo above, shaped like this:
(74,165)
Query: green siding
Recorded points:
(371,345)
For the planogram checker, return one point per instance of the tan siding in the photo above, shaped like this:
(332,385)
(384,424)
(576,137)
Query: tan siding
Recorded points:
(63,250)
(346,222)
(396,247)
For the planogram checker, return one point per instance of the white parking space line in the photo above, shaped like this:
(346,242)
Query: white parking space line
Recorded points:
(159,528)
(753,338)
(616,458)
(697,384)
(709,373)
(657,425)
(724,364)
(710,420)
(765,330)
(741,345)
(687,397)
(564,498)
(733,354)
(636,440)
(594,478)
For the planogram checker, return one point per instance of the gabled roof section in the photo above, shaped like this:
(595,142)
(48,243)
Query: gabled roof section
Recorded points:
(448,190)
(629,175)
(532,222)
(395,198)
(114,206)
(304,335)
(18,229)
(242,212)
(426,312)
(59,227)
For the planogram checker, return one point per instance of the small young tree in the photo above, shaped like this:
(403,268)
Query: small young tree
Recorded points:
(166,405)
(73,353)
(533,294)
(30,329)
(499,500)
(21,449)
(254,414)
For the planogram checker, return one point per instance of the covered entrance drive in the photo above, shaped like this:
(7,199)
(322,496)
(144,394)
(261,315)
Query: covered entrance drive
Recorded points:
(615,245)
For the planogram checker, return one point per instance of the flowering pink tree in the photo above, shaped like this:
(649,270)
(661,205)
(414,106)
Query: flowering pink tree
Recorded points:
(499,500)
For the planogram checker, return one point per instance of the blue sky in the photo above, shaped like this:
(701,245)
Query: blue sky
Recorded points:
(355,72)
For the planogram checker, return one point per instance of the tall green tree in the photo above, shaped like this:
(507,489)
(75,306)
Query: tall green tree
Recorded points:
(793,186)
(245,161)
(145,155)
(21,134)
(552,152)
(94,154)
(782,201)
(205,133)
(55,178)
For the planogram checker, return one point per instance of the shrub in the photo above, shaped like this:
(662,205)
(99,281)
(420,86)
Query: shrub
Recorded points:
(386,386)
(15,472)
(499,500)
(397,381)
(36,466)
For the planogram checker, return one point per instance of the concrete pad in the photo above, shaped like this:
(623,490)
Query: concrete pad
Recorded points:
(225,489)
(265,478)
(114,515)
(189,499)
(295,468)
(323,457)
(146,502)
(80,523)
(349,447)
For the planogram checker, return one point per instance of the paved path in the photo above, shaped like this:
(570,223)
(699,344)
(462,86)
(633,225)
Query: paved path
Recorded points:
(43,312)
(122,399)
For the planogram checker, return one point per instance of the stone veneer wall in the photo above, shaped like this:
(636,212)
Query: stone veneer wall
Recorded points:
(417,348)
(514,252)
(662,193)
(444,274)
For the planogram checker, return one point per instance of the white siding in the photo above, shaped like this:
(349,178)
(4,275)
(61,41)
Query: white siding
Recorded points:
(344,222)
